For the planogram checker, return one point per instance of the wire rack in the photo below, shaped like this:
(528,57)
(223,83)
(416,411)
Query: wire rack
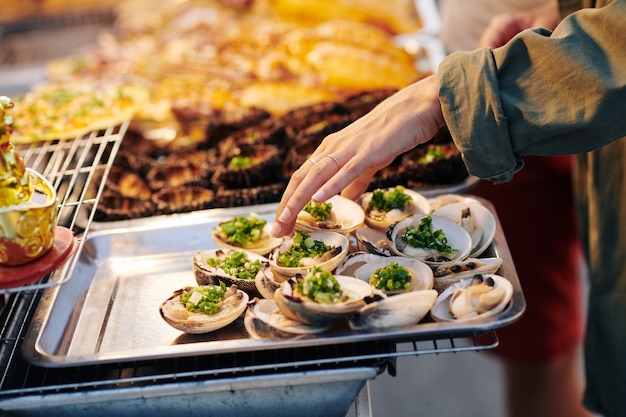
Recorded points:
(76,169)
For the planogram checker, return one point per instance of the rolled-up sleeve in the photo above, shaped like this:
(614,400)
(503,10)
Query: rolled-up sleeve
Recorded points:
(543,93)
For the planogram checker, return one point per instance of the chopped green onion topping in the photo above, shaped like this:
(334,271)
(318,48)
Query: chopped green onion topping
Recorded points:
(303,246)
(431,155)
(423,236)
(241,231)
(392,277)
(389,199)
(319,211)
(240,162)
(206,299)
(320,286)
(237,265)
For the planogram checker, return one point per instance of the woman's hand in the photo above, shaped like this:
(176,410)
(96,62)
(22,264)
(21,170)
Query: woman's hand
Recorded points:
(346,160)
(504,27)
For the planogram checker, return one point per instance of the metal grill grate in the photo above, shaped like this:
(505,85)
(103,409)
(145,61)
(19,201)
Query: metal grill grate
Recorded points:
(21,378)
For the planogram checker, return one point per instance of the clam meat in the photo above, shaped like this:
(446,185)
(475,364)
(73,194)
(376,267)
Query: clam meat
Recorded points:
(321,298)
(432,239)
(251,233)
(467,222)
(451,273)
(263,320)
(383,207)
(203,309)
(477,219)
(477,297)
(399,310)
(338,214)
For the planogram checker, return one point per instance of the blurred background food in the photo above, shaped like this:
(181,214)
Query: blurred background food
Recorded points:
(224,79)
(14,11)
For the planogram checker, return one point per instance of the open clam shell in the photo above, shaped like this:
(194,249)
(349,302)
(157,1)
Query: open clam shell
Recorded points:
(263,320)
(206,274)
(305,310)
(263,246)
(367,264)
(452,273)
(353,261)
(346,215)
(267,282)
(328,262)
(441,309)
(264,167)
(444,199)
(399,310)
(381,220)
(458,239)
(373,241)
(481,224)
(175,314)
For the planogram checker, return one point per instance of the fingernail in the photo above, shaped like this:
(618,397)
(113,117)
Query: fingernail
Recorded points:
(277,230)
(284,215)
(318,196)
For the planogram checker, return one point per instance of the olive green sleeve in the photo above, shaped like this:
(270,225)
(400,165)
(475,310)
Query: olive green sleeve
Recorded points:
(543,93)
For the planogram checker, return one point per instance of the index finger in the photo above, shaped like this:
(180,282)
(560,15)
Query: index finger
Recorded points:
(305,181)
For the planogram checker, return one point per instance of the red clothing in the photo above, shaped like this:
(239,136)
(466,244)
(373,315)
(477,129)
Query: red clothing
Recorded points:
(539,222)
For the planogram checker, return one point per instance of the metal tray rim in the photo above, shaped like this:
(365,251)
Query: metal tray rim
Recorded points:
(33,352)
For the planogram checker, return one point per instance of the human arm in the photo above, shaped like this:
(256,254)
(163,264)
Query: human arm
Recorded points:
(543,93)
(398,124)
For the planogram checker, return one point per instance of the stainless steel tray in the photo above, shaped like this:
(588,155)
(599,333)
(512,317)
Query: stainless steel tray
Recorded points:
(108,311)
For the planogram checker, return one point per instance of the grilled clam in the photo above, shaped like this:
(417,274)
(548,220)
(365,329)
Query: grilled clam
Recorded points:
(477,219)
(263,320)
(128,183)
(379,271)
(387,206)
(444,199)
(233,267)
(303,251)
(447,275)
(434,240)
(398,310)
(113,207)
(268,282)
(228,304)
(342,216)
(353,261)
(250,233)
(239,197)
(481,296)
(249,166)
(175,173)
(307,299)
(182,199)
(373,241)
